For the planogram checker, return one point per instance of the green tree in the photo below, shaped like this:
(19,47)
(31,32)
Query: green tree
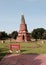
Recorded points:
(38,33)
(13,35)
(44,35)
(3,35)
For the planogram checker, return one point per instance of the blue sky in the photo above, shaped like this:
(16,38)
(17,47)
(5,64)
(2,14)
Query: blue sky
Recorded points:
(11,10)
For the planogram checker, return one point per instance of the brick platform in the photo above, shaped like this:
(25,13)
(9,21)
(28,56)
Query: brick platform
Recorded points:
(24,60)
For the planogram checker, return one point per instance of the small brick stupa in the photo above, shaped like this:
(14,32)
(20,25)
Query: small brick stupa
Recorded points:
(23,35)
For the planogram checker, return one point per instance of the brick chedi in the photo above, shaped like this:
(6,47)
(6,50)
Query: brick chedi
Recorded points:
(23,35)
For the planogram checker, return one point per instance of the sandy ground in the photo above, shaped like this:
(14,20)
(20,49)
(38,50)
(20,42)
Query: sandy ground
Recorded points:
(25,59)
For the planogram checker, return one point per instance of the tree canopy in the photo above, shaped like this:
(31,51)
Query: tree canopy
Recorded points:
(3,35)
(13,35)
(38,33)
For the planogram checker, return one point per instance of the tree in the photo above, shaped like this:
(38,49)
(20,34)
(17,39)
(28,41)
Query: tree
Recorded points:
(13,35)
(44,35)
(38,33)
(10,36)
(3,35)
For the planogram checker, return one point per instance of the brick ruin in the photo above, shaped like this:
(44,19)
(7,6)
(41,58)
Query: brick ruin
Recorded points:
(23,35)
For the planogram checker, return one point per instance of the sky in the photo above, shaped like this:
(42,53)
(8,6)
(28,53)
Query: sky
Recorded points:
(34,12)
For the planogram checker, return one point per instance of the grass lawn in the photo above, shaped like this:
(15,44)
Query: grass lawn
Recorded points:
(25,48)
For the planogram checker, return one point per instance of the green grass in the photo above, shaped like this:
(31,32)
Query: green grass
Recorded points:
(25,48)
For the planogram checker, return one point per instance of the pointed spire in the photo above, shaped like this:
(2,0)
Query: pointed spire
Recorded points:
(22,19)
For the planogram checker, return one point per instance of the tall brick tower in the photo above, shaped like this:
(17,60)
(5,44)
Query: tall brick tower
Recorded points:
(23,35)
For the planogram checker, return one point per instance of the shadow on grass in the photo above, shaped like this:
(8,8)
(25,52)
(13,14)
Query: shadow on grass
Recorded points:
(3,54)
(22,51)
(31,54)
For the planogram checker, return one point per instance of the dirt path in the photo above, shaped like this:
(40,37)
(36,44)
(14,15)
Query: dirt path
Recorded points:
(26,59)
